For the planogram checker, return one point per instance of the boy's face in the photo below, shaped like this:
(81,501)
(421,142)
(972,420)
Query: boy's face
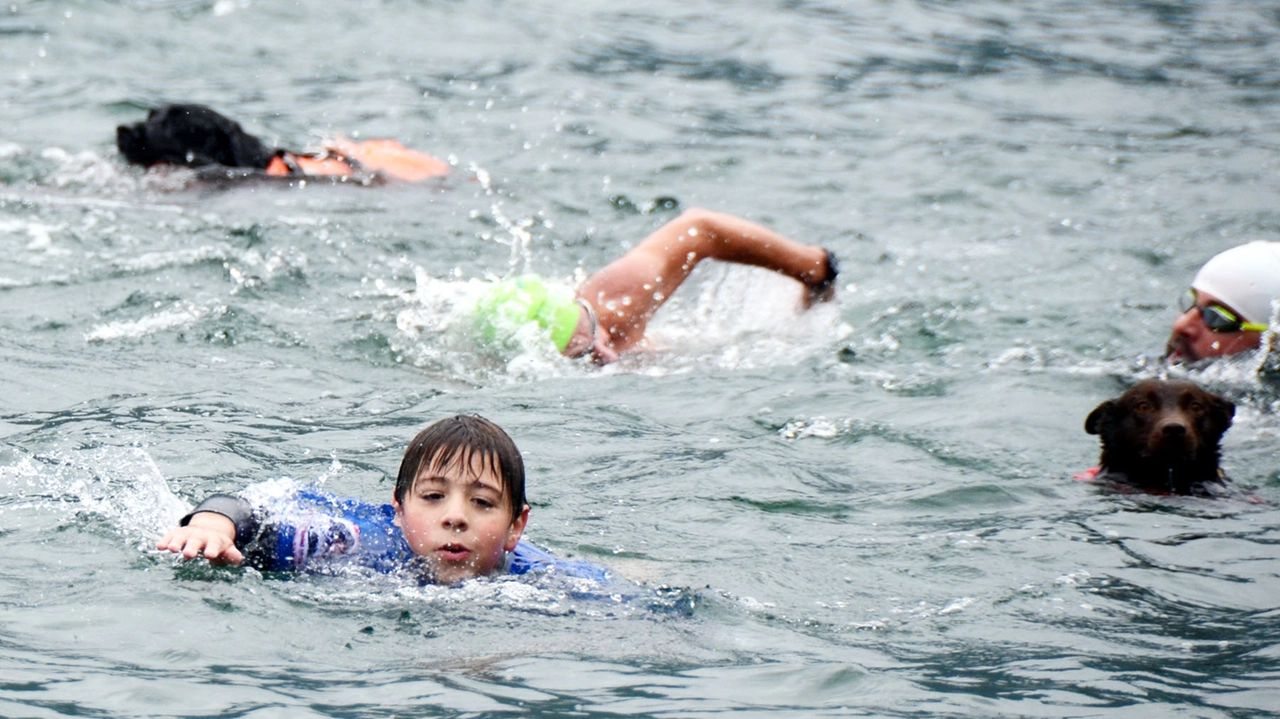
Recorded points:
(459,519)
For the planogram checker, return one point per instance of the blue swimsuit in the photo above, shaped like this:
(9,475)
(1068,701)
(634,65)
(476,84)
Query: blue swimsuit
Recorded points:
(305,529)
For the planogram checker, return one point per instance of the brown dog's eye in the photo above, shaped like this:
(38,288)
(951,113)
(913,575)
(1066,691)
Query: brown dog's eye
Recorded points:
(1143,406)
(1196,407)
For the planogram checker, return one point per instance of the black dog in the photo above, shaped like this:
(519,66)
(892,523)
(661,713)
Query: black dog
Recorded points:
(191,135)
(1163,436)
(219,149)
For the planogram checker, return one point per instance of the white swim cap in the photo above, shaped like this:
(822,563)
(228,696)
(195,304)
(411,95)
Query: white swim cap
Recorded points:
(1245,278)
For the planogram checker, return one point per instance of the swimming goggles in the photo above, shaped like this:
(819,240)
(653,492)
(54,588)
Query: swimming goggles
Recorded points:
(590,351)
(1216,317)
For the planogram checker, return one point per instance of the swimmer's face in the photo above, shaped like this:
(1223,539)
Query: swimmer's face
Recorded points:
(459,519)
(1192,340)
(582,342)
(601,353)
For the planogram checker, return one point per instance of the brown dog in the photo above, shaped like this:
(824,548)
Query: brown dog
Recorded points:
(1163,436)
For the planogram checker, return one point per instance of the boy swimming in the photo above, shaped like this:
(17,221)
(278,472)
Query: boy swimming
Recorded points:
(458,511)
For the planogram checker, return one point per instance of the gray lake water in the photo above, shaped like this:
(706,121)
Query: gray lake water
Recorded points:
(862,510)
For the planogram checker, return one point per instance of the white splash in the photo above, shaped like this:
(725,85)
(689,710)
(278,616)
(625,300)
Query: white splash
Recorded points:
(181,315)
(121,484)
(40,235)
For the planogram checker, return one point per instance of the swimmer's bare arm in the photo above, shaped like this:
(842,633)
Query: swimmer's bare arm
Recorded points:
(208,533)
(628,291)
(390,158)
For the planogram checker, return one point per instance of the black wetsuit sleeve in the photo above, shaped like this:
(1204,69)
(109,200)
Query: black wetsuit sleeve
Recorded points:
(239,511)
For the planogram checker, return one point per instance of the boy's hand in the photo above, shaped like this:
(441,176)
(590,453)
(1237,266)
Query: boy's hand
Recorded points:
(208,533)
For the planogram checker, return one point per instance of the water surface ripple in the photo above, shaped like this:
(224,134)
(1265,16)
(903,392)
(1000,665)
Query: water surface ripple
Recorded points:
(862,510)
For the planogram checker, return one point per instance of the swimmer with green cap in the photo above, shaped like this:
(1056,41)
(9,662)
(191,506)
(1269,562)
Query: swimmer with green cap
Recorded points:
(509,304)
(611,310)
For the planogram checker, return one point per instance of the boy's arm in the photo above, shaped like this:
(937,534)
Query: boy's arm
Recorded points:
(217,528)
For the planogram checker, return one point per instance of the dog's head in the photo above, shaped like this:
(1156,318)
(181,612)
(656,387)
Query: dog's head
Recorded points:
(191,135)
(1160,429)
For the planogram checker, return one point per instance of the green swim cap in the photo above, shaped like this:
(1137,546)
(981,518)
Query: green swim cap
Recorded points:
(503,308)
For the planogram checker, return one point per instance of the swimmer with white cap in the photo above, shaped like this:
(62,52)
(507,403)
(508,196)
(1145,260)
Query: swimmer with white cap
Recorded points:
(609,313)
(1228,305)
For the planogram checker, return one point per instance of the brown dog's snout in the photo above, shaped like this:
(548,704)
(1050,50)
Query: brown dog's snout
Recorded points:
(1174,434)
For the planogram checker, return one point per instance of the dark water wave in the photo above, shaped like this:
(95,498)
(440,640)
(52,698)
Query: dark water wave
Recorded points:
(635,56)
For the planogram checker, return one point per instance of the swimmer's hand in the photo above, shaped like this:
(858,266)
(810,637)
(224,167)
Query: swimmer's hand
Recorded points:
(208,533)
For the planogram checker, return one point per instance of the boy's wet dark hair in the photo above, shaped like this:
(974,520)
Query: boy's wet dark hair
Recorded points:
(463,438)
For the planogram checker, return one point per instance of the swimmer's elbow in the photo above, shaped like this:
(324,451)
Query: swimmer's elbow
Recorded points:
(697,216)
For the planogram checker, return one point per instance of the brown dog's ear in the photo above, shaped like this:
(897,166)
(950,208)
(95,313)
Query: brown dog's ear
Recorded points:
(1093,423)
(1224,410)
